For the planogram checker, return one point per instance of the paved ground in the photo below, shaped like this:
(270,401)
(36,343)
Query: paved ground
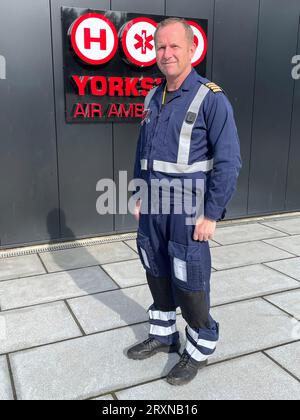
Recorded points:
(67,316)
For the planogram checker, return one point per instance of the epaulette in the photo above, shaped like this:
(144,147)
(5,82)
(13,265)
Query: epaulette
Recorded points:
(215,88)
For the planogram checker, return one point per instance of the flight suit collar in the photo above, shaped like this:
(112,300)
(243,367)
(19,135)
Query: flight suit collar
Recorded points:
(192,78)
(188,83)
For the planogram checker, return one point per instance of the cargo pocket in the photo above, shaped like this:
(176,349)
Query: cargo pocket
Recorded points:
(188,265)
(146,254)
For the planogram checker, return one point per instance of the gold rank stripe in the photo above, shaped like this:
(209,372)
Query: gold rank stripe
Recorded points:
(215,88)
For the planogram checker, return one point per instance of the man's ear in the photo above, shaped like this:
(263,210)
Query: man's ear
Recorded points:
(193,49)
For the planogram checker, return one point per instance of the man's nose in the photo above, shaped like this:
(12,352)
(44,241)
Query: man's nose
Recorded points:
(167,53)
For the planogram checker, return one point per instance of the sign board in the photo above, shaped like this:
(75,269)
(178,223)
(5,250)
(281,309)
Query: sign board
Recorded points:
(110,63)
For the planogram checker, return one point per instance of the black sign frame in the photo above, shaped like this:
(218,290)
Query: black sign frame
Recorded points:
(86,108)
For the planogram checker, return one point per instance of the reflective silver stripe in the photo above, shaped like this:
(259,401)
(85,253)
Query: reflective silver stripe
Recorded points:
(145,257)
(149,97)
(177,168)
(144,164)
(162,316)
(186,129)
(203,343)
(162,331)
(195,353)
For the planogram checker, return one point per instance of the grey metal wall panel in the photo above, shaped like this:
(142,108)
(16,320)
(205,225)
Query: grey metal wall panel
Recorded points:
(234,58)
(273,106)
(201,9)
(125,139)
(125,135)
(293,184)
(84,150)
(33,191)
(28,175)
(155,7)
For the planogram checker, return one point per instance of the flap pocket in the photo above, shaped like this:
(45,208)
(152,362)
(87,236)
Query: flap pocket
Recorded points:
(164,124)
(189,264)
(146,253)
(185,252)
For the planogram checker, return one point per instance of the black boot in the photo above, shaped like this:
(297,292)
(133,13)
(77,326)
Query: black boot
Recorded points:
(150,347)
(185,370)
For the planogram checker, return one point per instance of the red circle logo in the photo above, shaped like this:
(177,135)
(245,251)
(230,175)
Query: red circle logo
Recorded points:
(138,41)
(201,42)
(94,38)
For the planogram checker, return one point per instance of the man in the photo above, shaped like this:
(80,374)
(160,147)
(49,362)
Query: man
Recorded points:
(188,133)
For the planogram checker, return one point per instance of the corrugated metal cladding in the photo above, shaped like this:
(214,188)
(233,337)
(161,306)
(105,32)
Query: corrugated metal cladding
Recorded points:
(49,169)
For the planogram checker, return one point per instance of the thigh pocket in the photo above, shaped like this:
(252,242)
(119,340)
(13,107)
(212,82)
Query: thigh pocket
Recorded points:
(189,265)
(146,254)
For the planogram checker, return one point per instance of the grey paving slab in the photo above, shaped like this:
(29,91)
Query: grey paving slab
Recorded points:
(50,287)
(288,357)
(291,267)
(5,386)
(291,226)
(104,398)
(247,282)
(126,274)
(230,256)
(213,244)
(289,243)
(132,244)
(288,301)
(38,325)
(87,256)
(247,327)
(252,377)
(85,367)
(244,233)
(15,267)
(110,310)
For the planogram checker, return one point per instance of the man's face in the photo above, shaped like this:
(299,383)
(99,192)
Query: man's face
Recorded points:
(174,52)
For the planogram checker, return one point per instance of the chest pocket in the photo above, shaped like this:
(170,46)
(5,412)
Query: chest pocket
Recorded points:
(163,127)
(147,131)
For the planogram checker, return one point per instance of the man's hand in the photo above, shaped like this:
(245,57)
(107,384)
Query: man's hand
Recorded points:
(204,229)
(137,210)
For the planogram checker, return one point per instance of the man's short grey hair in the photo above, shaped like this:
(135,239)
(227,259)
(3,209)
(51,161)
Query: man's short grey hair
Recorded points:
(170,21)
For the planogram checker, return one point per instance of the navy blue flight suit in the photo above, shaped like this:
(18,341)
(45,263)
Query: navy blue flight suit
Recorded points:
(193,136)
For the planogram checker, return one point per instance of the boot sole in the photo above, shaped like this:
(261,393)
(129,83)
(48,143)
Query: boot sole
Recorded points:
(153,353)
(181,381)
(178,382)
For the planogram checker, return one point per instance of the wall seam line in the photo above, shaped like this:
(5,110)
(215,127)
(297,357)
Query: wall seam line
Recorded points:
(253,106)
(291,123)
(55,121)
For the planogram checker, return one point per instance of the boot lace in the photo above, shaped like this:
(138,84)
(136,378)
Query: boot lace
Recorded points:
(184,359)
(149,341)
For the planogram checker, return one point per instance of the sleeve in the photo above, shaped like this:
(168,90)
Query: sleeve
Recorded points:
(224,143)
